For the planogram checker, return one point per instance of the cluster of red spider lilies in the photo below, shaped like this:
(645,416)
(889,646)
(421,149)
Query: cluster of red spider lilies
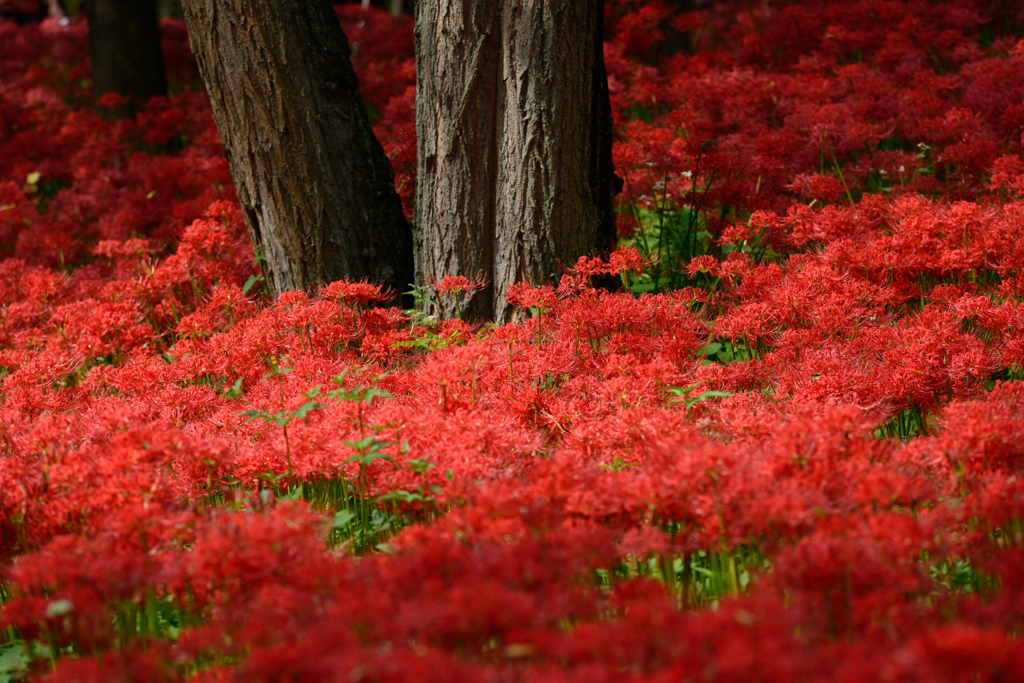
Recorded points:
(789,447)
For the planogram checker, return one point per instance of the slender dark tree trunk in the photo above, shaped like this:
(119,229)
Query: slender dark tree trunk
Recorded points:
(513,125)
(124,44)
(315,186)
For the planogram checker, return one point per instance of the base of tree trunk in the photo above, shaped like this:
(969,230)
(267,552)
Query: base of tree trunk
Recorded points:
(315,186)
(513,122)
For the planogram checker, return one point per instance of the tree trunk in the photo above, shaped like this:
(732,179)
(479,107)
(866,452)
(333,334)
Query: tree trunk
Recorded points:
(169,8)
(124,44)
(513,124)
(395,8)
(314,184)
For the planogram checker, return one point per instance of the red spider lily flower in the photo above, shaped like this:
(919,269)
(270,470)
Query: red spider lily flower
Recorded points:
(585,267)
(456,284)
(525,295)
(356,293)
(628,260)
(702,264)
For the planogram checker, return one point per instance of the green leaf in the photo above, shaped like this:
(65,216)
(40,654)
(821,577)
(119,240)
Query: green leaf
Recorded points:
(366,443)
(360,394)
(420,466)
(294,494)
(403,496)
(367,458)
(14,660)
(235,390)
(304,409)
(271,478)
(369,450)
(681,392)
(618,464)
(342,519)
(275,371)
(253,279)
(711,349)
(706,395)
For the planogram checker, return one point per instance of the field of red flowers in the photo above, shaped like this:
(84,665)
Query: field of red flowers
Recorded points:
(790,449)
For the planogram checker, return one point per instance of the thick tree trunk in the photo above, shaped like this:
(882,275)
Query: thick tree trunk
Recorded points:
(315,187)
(513,125)
(124,45)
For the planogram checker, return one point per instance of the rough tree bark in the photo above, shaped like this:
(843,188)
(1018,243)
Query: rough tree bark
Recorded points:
(124,45)
(314,184)
(513,125)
